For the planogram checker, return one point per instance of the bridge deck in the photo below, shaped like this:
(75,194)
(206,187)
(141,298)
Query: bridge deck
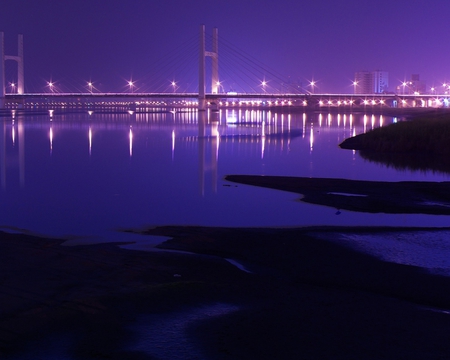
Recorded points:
(219,100)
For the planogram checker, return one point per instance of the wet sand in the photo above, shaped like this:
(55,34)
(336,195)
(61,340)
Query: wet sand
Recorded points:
(403,197)
(305,298)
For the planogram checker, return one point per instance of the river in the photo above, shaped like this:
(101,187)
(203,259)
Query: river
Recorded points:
(85,175)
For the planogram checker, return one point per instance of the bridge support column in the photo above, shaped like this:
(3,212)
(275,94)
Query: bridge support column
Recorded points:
(201,71)
(20,67)
(215,62)
(214,54)
(20,72)
(2,70)
(19,60)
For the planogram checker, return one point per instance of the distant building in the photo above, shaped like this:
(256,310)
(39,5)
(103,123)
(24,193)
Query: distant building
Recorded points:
(417,85)
(371,82)
(380,81)
(364,82)
(413,86)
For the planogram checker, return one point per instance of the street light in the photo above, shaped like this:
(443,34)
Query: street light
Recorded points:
(13,87)
(50,85)
(263,84)
(174,85)
(90,86)
(446,87)
(404,84)
(131,85)
(312,84)
(355,83)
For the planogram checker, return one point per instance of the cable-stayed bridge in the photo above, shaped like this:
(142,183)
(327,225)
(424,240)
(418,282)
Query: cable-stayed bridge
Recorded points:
(216,101)
(210,92)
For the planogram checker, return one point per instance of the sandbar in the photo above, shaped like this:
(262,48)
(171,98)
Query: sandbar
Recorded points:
(304,297)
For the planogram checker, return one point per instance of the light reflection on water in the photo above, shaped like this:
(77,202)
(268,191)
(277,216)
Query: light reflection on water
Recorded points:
(87,175)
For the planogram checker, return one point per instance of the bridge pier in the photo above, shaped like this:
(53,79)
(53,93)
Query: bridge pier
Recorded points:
(20,67)
(19,60)
(201,71)
(2,70)
(214,54)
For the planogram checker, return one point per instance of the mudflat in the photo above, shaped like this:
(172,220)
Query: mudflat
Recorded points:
(403,197)
(302,297)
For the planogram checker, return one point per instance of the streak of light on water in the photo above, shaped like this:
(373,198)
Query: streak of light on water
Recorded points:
(80,176)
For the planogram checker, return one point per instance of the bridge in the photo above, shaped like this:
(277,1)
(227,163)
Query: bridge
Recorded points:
(136,101)
(203,100)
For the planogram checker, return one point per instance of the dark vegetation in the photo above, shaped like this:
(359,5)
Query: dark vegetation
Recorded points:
(419,144)
(430,134)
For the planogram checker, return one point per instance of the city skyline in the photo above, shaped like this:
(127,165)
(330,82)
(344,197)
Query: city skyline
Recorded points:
(110,43)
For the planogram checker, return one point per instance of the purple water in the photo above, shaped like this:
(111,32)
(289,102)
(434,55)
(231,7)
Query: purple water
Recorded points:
(87,175)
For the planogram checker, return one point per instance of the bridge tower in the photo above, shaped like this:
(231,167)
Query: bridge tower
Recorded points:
(214,54)
(18,59)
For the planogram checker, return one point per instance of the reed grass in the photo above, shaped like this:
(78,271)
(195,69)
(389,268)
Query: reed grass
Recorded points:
(430,135)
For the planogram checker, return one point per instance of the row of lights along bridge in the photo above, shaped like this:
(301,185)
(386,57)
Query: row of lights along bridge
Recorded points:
(51,87)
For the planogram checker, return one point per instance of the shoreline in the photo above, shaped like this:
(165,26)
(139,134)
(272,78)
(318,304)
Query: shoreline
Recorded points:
(305,296)
(402,197)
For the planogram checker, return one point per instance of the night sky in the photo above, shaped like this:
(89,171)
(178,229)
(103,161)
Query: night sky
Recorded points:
(154,42)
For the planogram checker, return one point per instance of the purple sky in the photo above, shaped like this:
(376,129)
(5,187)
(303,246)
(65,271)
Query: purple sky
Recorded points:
(154,42)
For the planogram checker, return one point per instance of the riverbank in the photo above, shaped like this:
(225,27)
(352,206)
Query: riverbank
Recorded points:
(427,133)
(304,297)
(403,197)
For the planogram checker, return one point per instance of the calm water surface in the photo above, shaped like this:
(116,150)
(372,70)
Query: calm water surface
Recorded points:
(88,175)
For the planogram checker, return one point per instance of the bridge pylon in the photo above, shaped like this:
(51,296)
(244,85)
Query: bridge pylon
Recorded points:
(214,54)
(19,59)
